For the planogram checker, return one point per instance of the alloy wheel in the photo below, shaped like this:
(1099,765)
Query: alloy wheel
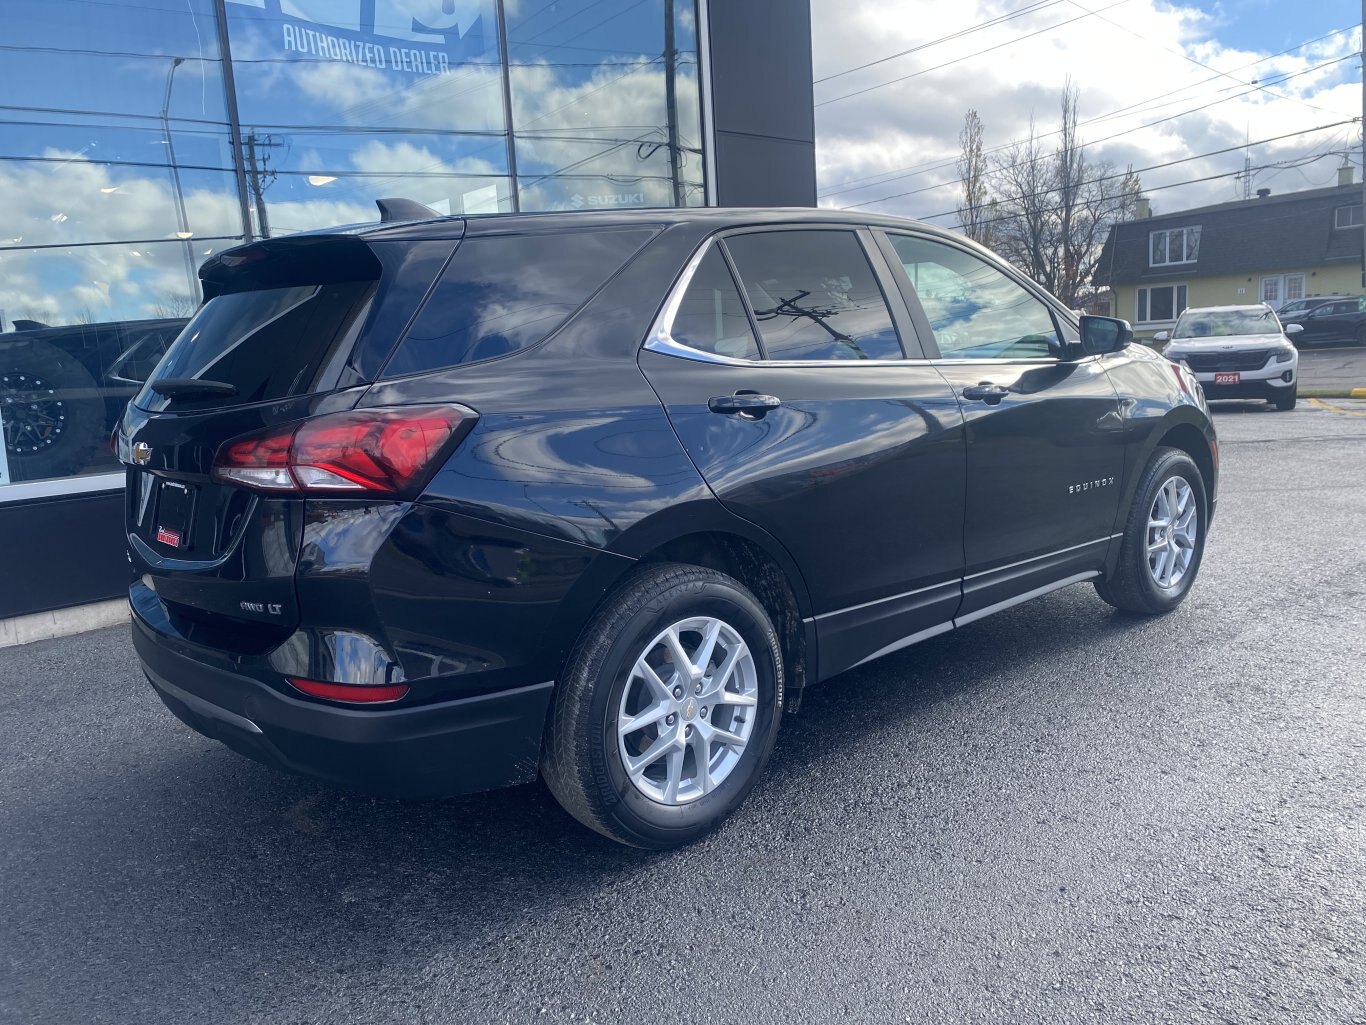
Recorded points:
(687,711)
(34,417)
(1173,528)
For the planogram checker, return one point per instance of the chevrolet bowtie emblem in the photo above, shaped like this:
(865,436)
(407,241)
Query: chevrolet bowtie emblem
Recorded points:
(142,453)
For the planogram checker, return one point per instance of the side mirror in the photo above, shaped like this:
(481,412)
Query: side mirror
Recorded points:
(1100,335)
(1293,329)
(1162,336)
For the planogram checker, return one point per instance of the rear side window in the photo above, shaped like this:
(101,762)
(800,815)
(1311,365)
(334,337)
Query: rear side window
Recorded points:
(269,344)
(814,296)
(505,293)
(712,315)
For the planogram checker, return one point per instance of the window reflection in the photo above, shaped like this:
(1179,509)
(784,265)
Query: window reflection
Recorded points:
(976,311)
(814,296)
(121,175)
(590,86)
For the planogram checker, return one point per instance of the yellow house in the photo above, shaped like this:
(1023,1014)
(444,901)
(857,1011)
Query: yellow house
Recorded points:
(1271,249)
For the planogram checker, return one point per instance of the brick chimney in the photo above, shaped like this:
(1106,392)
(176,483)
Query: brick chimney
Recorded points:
(1346,175)
(1143,208)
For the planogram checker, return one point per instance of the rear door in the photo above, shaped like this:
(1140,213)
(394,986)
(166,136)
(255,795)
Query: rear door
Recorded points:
(782,368)
(1045,441)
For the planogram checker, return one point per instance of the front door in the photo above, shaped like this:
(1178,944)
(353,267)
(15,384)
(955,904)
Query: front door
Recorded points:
(796,402)
(1045,438)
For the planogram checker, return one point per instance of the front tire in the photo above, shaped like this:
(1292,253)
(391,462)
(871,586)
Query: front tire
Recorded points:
(1285,403)
(1164,538)
(668,708)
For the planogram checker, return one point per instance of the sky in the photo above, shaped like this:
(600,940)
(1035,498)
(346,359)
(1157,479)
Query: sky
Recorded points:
(887,135)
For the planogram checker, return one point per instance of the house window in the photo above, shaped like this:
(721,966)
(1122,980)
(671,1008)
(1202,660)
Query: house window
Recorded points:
(1347,216)
(1282,288)
(1160,303)
(1175,245)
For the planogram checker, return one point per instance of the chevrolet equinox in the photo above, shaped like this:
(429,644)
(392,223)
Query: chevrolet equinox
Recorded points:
(442,504)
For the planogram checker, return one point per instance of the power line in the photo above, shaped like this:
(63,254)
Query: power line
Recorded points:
(1033,8)
(959,60)
(1185,56)
(1173,163)
(1108,138)
(904,172)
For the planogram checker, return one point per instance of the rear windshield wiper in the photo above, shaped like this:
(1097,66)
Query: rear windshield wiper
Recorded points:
(179,387)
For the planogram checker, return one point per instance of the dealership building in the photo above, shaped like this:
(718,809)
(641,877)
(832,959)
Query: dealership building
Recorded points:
(140,137)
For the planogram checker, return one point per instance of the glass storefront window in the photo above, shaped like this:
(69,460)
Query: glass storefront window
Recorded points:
(125,163)
(355,102)
(590,88)
(117,174)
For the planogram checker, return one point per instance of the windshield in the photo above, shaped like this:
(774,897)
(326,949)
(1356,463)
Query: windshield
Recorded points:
(1221,323)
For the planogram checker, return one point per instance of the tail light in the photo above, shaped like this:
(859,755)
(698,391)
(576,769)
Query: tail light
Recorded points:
(390,451)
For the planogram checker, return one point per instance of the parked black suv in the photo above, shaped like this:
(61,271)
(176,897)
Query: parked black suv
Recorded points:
(1338,320)
(427,508)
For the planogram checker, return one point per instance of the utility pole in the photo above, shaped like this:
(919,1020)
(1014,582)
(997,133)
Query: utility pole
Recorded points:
(1363,143)
(256,171)
(671,99)
(182,224)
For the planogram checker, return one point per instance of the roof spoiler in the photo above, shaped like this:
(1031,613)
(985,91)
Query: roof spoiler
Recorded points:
(399,209)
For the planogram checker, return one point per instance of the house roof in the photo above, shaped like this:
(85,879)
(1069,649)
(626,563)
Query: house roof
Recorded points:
(1292,231)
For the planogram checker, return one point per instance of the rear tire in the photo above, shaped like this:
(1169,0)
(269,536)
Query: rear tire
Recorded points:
(626,670)
(1137,585)
(1285,403)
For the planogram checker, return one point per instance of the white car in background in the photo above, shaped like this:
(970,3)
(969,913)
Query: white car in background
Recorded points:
(1237,352)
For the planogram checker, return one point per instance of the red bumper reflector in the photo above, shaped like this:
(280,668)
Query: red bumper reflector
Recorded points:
(353,693)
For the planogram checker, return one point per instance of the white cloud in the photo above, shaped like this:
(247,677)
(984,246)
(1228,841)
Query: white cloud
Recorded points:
(903,138)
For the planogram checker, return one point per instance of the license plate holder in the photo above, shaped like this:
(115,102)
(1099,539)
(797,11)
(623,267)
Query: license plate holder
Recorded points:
(175,508)
(1228,378)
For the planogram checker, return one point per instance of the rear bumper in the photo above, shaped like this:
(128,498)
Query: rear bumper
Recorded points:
(434,750)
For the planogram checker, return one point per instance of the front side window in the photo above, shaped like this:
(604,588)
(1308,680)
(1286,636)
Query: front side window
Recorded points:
(1175,245)
(814,295)
(976,310)
(1160,303)
(712,317)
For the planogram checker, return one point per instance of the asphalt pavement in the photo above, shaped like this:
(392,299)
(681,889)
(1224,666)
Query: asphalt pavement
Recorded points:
(1060,814)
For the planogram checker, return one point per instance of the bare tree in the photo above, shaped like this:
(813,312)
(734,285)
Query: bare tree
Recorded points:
(1055,209)
(174,305)
(974,213)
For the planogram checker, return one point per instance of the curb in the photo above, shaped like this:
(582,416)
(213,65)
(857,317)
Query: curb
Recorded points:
(44,626)
(1333,393)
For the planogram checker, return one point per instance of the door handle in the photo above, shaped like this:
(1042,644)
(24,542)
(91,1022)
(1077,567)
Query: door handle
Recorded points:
(748,404)
(986,392)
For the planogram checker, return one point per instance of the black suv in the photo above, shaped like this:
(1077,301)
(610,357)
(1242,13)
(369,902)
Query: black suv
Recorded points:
(1332,321)
(433,507)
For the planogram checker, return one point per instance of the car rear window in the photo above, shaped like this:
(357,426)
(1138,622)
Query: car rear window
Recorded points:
(269,344)
(503,293)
